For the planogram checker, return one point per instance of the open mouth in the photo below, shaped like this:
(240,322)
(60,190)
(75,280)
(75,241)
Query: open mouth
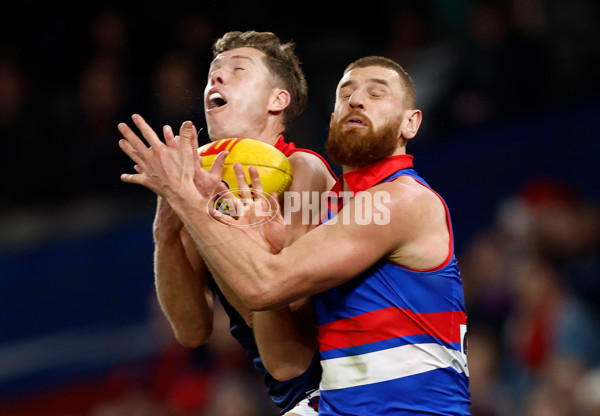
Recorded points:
(215,100)
(355,121)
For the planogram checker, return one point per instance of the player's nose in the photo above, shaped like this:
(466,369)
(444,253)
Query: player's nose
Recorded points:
(216,77)
(356,100)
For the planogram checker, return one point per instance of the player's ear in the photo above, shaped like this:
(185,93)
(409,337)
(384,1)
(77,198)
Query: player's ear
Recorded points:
(411,123)
(330,120)
(280,100)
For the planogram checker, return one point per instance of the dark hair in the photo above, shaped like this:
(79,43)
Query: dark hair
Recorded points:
(280,60)
(409,86)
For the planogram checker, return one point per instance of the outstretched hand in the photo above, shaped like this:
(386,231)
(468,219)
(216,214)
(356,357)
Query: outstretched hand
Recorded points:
(170,169)
(257,214)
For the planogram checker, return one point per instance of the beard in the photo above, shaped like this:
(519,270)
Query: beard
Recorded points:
(358,147)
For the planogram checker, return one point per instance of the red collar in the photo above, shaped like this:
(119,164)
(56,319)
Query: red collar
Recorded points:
(368,176)
(284,147)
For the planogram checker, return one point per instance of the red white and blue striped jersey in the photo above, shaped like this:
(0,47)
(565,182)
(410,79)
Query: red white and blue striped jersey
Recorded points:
(392,339)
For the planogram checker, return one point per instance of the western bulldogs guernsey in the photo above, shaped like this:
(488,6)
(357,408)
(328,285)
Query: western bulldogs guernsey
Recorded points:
(392,340)
(284,394)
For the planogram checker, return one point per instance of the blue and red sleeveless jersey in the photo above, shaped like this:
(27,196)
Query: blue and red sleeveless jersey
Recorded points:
(285,394)
(392,338)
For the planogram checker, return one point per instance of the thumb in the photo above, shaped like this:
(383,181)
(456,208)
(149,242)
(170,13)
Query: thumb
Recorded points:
(188,133)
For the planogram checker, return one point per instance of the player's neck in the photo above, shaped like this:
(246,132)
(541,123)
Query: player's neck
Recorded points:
(271,132)
(270,138)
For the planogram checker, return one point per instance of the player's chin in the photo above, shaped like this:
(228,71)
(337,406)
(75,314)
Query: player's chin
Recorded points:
(217,131)
(217,116)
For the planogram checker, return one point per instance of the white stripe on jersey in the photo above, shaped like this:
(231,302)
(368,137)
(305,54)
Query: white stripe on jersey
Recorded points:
(389,364)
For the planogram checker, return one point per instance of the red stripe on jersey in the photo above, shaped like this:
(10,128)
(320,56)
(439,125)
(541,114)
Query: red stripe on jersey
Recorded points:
(390,323)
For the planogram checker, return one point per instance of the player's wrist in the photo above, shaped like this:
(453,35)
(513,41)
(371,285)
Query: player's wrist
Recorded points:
(190,204)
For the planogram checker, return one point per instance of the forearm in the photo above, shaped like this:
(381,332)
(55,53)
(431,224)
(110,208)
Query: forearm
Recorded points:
(249,270)
(182,292)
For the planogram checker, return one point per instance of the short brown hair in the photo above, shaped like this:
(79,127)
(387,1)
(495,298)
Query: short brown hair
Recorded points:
(409,86)
(280,60)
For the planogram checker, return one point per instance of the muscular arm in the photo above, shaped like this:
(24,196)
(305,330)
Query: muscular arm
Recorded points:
(181,274)
(286,337)
(180,280)
(416,236)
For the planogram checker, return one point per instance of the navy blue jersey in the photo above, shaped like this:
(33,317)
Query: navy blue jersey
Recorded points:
(285,394)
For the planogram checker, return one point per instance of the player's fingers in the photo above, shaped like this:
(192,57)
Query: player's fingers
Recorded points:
(218,163)
(147,131)
(221,217)
(235,206)
(188,134)
(194,141)
(132,178)
(132,139)
(242,183)
(227,203)
(255,180)
(170,139)
(130,150)
(198,170)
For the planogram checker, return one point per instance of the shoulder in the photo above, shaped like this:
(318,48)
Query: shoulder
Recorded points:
(310,168)
(411,200)
(419,223)
(307,160)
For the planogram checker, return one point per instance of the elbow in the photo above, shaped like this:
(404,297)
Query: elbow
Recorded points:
(192,339)
(264,295)
(286,372)
(261,300)
(290,362)
(190,342)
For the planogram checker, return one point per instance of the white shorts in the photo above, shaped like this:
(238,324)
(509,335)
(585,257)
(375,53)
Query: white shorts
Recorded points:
(307,407)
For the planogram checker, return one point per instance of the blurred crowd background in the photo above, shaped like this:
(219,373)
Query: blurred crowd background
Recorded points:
(511,102)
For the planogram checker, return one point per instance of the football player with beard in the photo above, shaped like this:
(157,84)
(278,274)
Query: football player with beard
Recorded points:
(388,294)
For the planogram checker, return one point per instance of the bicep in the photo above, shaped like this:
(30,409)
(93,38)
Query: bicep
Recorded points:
(339,250)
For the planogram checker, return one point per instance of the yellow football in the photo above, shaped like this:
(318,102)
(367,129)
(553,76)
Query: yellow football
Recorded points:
(273,167)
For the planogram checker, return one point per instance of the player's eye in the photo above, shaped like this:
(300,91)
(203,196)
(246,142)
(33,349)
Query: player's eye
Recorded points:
(345,94)
(377,93)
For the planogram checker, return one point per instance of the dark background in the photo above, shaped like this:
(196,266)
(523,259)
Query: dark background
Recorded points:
(511,102)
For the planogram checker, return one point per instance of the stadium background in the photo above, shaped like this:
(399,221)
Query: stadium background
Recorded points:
(510,96)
